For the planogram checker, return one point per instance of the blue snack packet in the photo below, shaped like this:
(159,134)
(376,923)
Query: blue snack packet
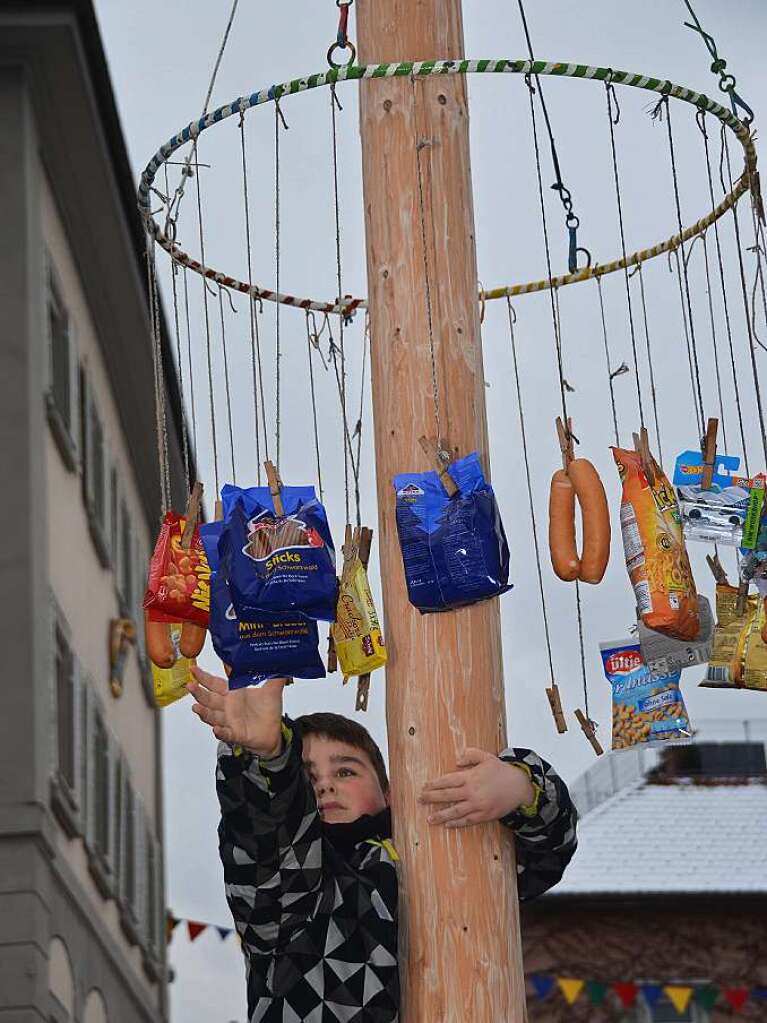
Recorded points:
(280,564)
(254,498)
(454,549)
(270,646)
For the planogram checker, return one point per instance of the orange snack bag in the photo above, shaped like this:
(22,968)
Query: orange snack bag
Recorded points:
(178,589)
(656,557)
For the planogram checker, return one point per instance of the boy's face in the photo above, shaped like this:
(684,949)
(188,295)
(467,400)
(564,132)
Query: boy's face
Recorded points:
(344,780)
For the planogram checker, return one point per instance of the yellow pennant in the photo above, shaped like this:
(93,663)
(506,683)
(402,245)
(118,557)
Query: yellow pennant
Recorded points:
(570,987)
(679,997)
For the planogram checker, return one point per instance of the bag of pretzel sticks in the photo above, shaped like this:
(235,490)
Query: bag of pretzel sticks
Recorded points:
(280,564)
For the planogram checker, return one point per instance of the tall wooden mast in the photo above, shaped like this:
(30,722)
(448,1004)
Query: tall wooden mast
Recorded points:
(461,955)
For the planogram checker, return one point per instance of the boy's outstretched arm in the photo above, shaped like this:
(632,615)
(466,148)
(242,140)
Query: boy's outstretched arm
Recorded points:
(524,793)
(270,827)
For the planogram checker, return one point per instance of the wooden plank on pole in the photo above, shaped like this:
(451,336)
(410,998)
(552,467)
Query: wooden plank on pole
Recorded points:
(460,941)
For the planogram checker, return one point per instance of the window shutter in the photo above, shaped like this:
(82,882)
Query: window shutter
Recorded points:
(101,786)
(114,522)
(85,445)
(118,808)
(74,383)
(77,737)
(141,871)
(126,557)
(159,900)
(129,844)
(88,767)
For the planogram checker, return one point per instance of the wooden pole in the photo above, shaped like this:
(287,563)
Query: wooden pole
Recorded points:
(461,952)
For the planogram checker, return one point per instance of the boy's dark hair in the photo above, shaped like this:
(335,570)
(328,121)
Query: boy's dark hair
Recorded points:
(341,729)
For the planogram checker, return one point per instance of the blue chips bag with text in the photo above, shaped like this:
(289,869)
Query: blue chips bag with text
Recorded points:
(454,549)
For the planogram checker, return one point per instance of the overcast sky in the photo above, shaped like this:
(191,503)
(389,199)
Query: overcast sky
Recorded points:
(161,56)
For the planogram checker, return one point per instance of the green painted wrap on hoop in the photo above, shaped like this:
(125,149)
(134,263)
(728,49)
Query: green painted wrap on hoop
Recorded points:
(419,69)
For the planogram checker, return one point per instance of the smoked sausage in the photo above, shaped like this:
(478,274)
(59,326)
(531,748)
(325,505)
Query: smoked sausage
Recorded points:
(192,639)
(595,519)
(159,646)
(564,553)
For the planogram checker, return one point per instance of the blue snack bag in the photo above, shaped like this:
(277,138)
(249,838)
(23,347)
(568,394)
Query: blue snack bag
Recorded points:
(454,549)
(253,498)
(648,706)
(271,646)
(280,564)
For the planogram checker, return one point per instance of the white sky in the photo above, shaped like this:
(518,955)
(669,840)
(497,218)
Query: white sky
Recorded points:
(161,56)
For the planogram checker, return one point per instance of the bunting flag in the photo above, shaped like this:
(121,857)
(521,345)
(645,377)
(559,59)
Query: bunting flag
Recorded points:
(651,994)
(759,992)
(707,996)
(195,928)
(736,996)
(224,932)
(570,987)
(597,992)
(627,992)
(542,984)
(678,996)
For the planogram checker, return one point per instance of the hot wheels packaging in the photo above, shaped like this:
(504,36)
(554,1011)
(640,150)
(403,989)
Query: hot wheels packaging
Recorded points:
(454,549)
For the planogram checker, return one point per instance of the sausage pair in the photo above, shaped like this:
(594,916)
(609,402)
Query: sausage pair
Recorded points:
(580,480)
(159,644)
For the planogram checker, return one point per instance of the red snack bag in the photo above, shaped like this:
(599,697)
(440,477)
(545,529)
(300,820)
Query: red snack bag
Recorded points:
(178,588)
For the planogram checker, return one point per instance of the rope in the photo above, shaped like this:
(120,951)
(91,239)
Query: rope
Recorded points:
(612,121)
(419,145)
(159,383)
(714,345)
(226,382)
(653,392)
(610,374)
(749,325)
(309,347)
(365,343)
(255,342)
(663,102)
(337,216)
(725,304)
(189,360)
(335,351)
(278,353)
(536,544)
(184,430)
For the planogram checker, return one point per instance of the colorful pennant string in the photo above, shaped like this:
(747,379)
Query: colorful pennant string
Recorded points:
(194,928)
(627,992)
(678,996)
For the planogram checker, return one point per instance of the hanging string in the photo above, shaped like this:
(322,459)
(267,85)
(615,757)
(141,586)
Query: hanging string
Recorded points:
(648,348)
(159,382)
(744,290)
(613,119)
(189,360)
(528,477)
(226,379)
(610,374)
(365,343)
(309,347)
(184,431)
(255,341)
(278,352)
(419,145)
(335,351)
(208,346)
(341,348)
(714,345)
(700,119)
(663,103)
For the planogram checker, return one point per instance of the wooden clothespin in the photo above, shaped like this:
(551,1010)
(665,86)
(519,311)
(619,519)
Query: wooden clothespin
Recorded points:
(275,486)
(363,682)
(642,446)
(716,569)
(556,708)
(191,515)
(441,460)
(332,655)
(742,604)
(709,453)
(589,731)
(566,437)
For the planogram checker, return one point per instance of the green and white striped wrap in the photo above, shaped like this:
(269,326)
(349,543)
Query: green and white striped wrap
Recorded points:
(422,69)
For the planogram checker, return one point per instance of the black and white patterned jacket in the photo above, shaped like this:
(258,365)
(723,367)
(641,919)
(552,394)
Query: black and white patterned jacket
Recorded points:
(316,904)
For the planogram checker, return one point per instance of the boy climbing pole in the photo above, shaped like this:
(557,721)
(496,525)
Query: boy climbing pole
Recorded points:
(306,843)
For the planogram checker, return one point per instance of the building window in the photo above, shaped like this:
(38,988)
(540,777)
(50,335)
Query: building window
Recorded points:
(126,561)
(65,707)
(94,472)
(101,810)
(61,399)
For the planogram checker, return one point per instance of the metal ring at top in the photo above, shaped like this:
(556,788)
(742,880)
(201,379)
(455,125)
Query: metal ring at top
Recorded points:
(337,46)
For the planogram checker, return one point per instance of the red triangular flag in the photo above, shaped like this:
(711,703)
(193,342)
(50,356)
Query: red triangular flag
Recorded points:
(195,929)
(627,992)
(736,996)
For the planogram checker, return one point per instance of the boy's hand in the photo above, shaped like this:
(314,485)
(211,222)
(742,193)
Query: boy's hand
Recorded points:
(249,717)
(483,788)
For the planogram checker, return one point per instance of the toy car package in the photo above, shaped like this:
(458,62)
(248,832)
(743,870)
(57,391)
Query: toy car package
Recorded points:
(665,655)
(281,564)
(727,512)
(178,587)
(653,544)
(357,631)
(739,656)
(454,549)
(648,707)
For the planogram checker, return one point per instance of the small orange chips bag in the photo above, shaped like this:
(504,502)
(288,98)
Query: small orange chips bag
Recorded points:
(656,557)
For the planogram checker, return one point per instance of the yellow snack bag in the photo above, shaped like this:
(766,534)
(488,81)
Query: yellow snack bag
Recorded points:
(739,657)
(170,683)
(357,631)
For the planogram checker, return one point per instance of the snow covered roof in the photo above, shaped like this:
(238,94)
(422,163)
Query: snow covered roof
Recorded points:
(679,837)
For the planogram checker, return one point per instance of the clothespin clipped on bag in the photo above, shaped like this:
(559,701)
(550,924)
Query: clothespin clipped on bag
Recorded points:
(709,453)
(566,438)
(589,731)
(363,682)
(192,515)
(275,486)
(642,447)
(441,460)
(740,607)
(716,569)
(556,708)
